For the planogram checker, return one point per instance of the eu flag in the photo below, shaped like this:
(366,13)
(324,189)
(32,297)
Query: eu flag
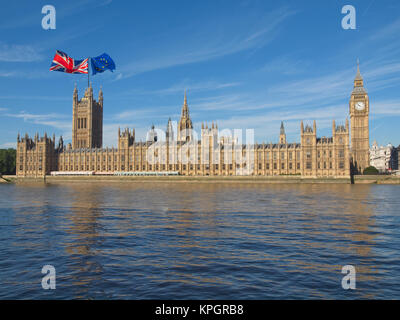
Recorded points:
(102,63)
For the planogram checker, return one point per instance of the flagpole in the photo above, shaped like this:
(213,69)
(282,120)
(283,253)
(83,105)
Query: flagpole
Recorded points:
(88,74)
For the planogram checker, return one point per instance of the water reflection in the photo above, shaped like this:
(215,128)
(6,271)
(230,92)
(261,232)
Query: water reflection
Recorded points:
(202,240)
(84,229)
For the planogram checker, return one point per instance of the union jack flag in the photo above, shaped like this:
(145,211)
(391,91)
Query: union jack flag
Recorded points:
(63,63)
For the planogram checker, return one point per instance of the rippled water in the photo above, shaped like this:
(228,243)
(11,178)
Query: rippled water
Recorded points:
(199,240)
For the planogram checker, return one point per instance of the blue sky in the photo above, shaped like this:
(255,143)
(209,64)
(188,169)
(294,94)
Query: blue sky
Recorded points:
(245,64)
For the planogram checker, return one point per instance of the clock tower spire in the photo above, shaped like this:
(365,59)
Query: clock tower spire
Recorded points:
(359,118)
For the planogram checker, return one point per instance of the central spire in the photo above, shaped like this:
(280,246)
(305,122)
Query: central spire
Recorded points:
(185,98)
(185,108)
(185,123)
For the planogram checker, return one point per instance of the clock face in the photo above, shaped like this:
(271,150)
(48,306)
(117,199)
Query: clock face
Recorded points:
(360,106)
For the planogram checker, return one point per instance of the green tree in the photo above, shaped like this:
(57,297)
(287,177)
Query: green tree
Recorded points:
(371,170)
(7,161)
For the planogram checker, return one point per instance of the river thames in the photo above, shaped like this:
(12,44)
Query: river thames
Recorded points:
(198,240)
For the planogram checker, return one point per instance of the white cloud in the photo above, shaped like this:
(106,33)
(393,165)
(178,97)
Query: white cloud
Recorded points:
(36,118)
(188,85)
(53,120)
(285,65)
(22,18)
(18,53)
(6,74)
(105,2)
(7,145)
(383,70)
(391,29)
(140,113)
(386,108)
(202,47)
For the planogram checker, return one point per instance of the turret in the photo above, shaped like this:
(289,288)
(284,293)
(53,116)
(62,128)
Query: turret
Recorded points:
(185,109)
(170,131)
(185,126)
(90,90)
(282,135)
(75,95)
(152,135)
(61,143)
(101,96)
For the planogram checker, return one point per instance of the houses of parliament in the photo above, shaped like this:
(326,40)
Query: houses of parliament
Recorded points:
(211,154)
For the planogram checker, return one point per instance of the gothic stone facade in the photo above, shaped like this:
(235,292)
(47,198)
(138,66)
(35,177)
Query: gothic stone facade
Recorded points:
(211,154)
(87,120)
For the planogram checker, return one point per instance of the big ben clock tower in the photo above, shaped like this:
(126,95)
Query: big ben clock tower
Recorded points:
(359,118)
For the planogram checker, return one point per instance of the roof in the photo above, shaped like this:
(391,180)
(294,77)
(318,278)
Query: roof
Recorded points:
(359,90)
